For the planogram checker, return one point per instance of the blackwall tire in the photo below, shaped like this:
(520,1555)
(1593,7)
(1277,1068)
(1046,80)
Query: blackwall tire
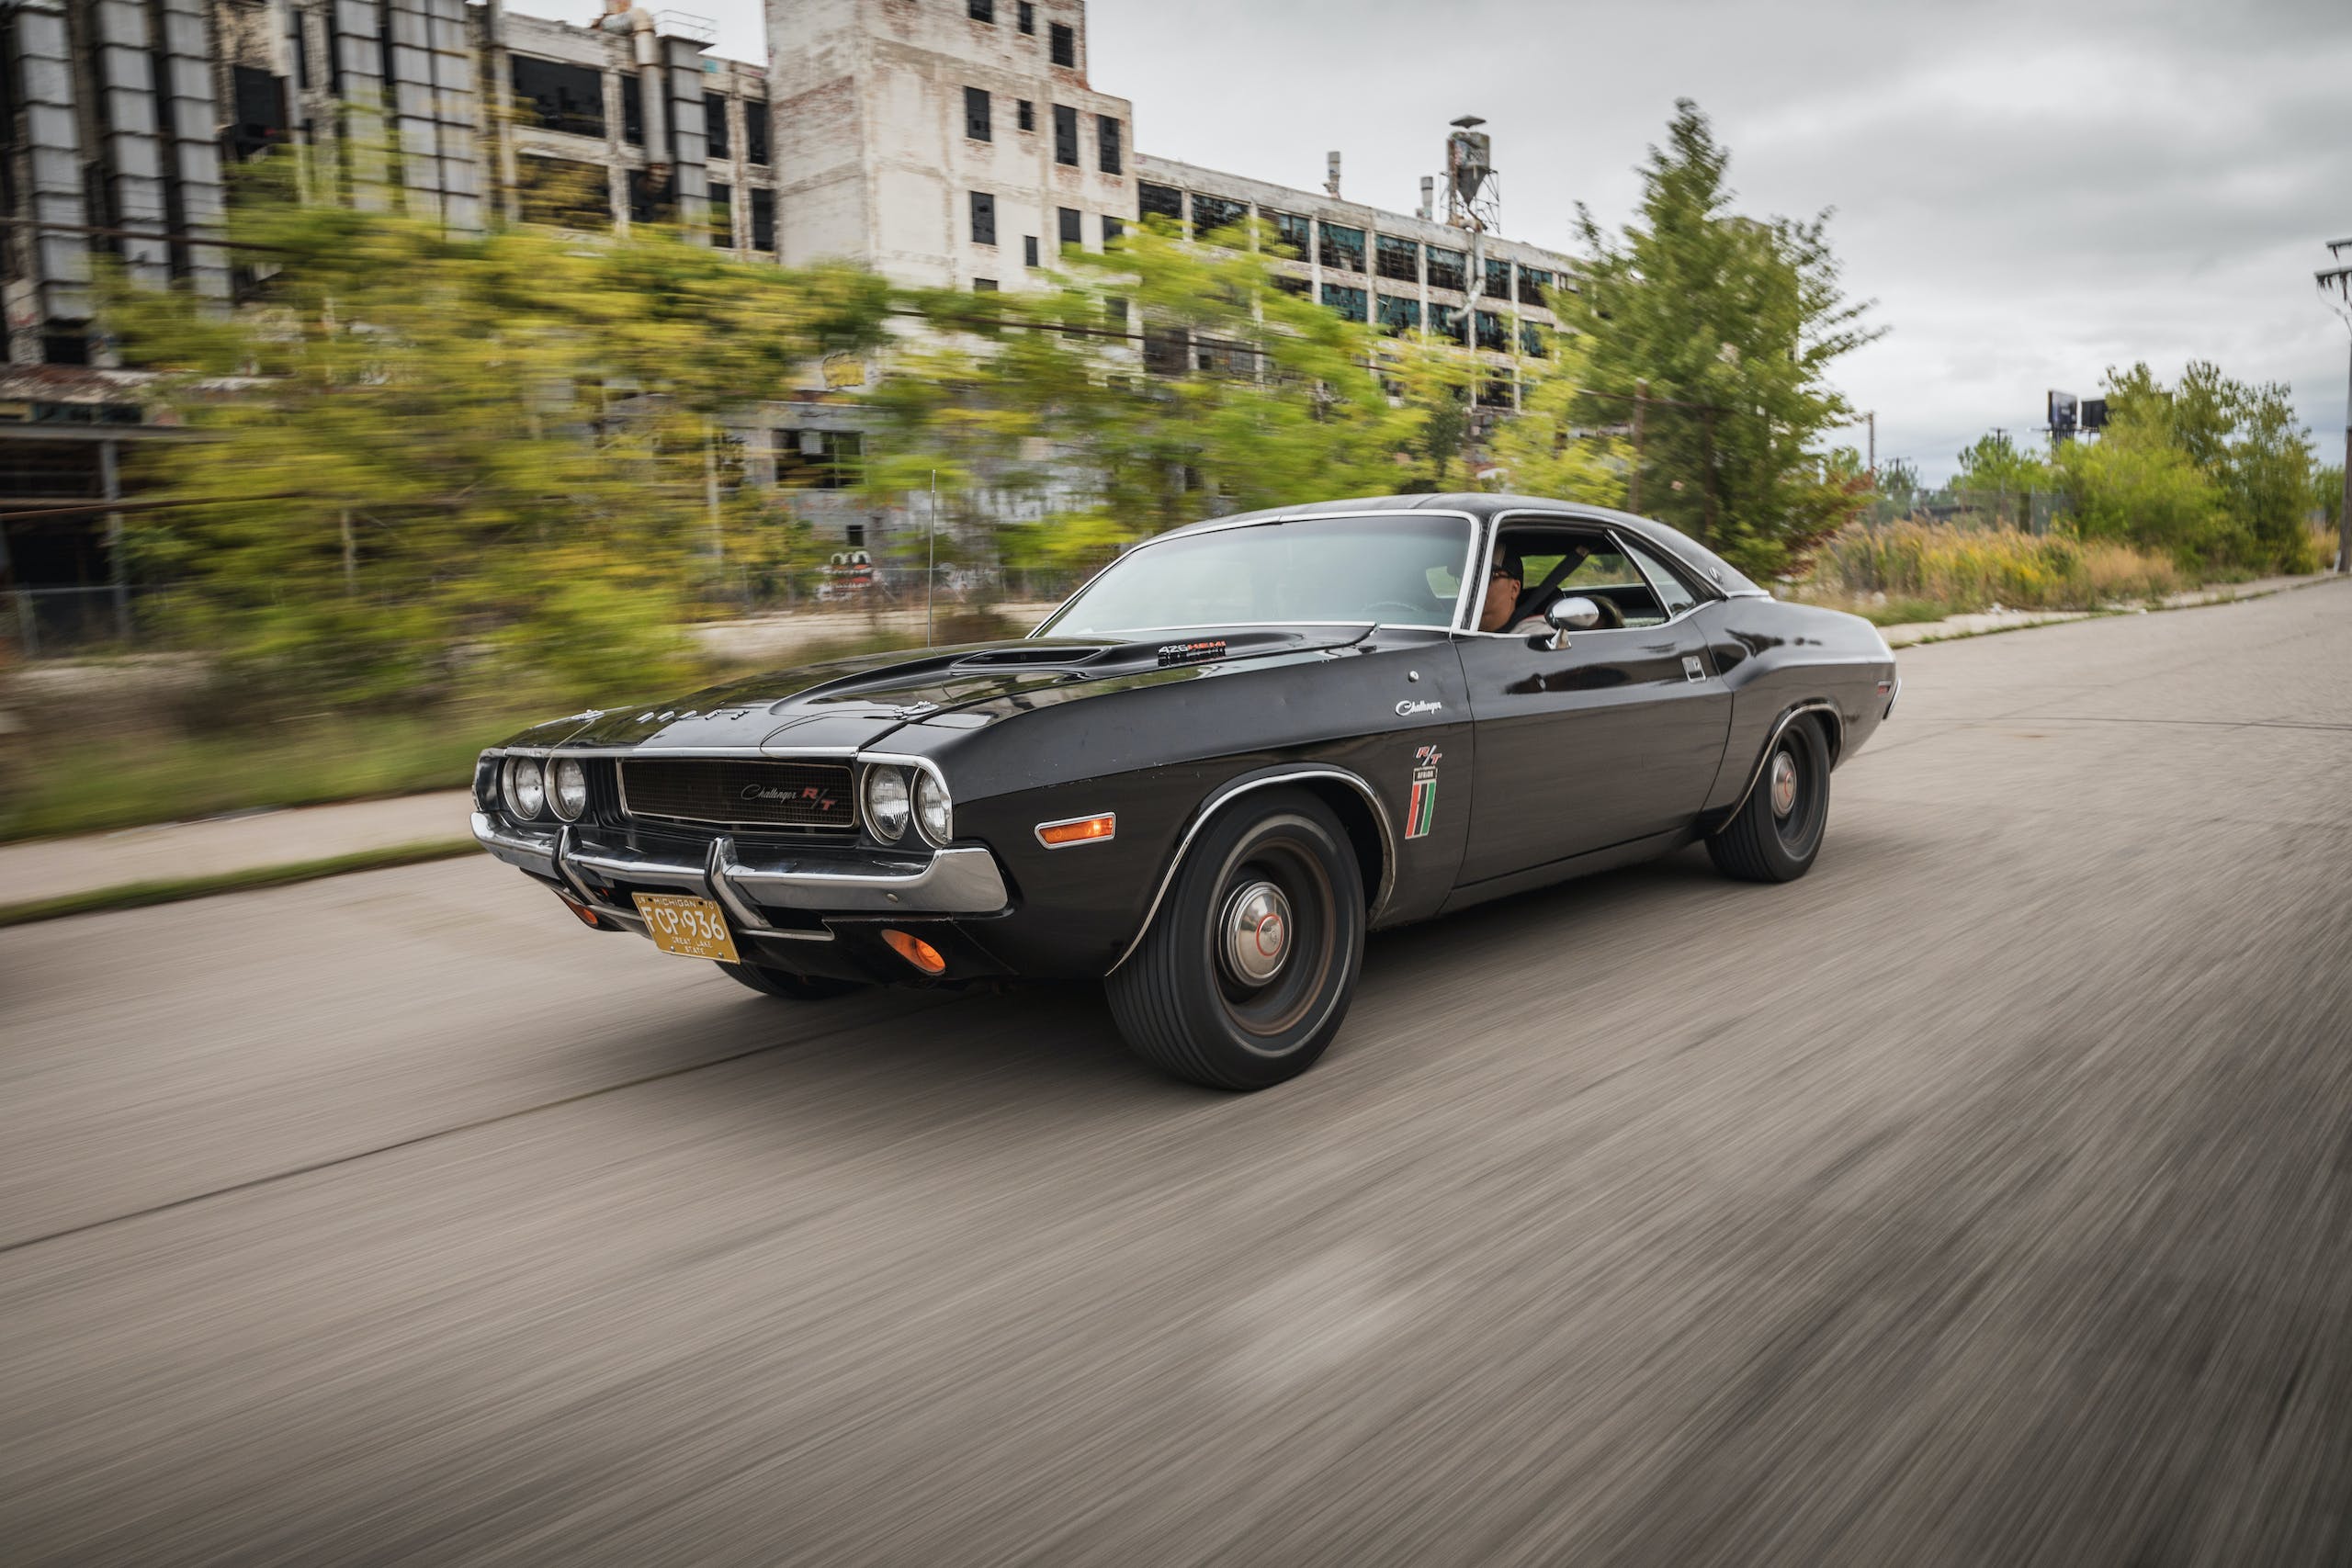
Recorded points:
(1777,835)
(1248,969)
(782,983)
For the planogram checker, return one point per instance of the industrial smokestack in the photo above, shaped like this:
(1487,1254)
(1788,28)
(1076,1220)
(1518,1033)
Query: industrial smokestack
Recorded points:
(1429,197)
(1331,180)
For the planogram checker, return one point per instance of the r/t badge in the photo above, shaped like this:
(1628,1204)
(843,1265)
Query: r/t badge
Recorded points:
(1421,813)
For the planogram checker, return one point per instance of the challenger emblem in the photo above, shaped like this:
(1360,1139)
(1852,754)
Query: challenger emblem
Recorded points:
(1407,710)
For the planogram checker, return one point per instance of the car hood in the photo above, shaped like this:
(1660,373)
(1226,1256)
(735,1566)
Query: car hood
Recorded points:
(852,702)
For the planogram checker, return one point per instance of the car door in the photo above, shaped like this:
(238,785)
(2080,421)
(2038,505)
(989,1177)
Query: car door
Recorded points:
(1615,736)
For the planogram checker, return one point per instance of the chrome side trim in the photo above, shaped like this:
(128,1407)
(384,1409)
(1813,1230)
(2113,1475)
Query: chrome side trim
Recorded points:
(1214,802)
(1764,755)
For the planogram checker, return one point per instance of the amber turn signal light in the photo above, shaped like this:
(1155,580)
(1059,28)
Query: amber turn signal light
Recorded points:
(915,951)
(587,916)
(1077,831)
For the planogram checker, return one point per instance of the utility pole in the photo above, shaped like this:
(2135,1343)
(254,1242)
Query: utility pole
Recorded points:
(2335,284)
(1870,419)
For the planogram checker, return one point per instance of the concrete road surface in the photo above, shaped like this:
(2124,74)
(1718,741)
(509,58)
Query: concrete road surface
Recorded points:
(1985,1197)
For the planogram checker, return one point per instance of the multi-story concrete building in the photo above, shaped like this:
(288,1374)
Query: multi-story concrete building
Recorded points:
(946,143)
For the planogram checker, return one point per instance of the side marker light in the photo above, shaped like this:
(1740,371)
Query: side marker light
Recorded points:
(915,951)
(1077,831)
(587,916)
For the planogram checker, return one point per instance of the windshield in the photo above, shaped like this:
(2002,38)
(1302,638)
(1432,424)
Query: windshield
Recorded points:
(1397,571)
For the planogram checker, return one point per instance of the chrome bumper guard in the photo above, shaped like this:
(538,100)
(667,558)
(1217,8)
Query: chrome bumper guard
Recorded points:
(951,882)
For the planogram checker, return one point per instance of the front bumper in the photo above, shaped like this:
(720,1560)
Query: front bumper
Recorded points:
(749,883)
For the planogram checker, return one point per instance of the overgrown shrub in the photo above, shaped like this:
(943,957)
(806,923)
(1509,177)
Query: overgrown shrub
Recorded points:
(1972,570)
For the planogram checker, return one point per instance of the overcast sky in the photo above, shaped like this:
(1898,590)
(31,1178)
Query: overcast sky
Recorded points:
(2031,191)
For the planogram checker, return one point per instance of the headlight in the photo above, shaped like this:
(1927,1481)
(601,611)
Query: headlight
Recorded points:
(885,801)
(934,811)
(568,783)
(526,790)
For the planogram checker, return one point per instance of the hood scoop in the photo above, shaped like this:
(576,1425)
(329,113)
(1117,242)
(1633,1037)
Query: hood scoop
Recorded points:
(1048,656)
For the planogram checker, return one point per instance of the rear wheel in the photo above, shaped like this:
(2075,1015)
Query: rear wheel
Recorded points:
(784,982)
(1248,967)
(1777,834)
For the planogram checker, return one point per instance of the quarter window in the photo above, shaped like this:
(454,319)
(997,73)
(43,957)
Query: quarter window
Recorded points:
(1672,590)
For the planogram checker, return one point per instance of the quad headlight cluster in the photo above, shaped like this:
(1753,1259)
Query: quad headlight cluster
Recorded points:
(533,788)
(895,796)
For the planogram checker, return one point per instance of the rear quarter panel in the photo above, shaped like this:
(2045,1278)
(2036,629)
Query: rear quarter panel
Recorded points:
(1773,656)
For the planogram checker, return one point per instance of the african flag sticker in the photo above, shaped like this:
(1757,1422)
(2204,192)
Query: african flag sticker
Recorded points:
(1422,810)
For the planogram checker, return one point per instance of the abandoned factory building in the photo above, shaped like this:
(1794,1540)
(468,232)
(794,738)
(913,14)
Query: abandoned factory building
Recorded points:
(944,143)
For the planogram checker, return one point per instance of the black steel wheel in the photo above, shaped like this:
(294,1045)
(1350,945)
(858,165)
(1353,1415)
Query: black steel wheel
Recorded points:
(1250,963)
(784,982)
(1776,836)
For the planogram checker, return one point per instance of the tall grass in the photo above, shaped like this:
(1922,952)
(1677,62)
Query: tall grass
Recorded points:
(1965,569)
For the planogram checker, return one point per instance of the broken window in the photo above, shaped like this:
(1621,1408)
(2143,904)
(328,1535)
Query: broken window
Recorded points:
(1160,201)
(1351,303)
(976,114)
(1063,44)
(1029,250)
(1530,340)
(1289,284)
(1108,144)
(1065,135)
(755,131)
(1495,392)
(722,216)
(1397,259)
(564,193)
(1498,278)
(819,459)
(1028,115)
(1028,17)
(984,286)
(1492,332)
(1211,213)
(980,10)
(1343,248)
(1167,351)
(1073,235)
(1445,321)
(558,96)
(1532,285)
(1447,269)
(762,220)
(1399,315)
(632,111)
(653,198)
(1112,229)
(1290,231)
(983,217)
(261,113)
(714,125)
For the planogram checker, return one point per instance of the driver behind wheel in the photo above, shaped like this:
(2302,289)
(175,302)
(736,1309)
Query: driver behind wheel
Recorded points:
(1505,583)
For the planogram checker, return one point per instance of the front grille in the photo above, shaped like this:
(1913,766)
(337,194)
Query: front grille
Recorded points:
(792,796)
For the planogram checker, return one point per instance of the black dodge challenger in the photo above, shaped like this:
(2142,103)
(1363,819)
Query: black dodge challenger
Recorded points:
(1203,778)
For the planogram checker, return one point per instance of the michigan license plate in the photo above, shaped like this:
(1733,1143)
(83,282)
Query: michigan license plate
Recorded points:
(688,926)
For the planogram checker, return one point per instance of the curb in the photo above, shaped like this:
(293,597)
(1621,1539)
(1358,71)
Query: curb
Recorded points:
(144,895)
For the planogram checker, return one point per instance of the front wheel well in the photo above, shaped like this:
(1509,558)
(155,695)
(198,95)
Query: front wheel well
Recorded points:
(1364,837)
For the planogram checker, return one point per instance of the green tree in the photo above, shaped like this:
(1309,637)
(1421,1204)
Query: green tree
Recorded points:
(1715,310)
(444,457)
(1162,384)
(1546,449)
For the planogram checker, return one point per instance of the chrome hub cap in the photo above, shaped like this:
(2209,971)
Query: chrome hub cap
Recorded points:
(1257,933)
(1784,783)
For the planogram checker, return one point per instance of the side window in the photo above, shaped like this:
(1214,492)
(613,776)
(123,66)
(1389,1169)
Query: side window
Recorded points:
(1672,590)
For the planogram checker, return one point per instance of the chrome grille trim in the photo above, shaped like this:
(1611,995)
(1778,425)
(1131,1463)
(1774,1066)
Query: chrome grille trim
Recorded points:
(719,793)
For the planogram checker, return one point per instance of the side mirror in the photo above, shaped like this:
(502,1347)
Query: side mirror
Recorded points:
(1564,616)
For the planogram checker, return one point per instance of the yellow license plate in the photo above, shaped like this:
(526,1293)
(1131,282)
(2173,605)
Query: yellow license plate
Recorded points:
(688,926)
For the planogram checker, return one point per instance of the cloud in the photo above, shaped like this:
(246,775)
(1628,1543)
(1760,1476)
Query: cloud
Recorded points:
(2031,194)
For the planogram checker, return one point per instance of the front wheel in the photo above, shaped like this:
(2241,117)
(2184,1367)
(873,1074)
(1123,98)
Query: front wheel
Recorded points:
(1248,967)
(1777,834)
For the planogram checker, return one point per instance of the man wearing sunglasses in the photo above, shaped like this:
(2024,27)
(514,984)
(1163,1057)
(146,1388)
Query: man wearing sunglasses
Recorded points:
(1504,585)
